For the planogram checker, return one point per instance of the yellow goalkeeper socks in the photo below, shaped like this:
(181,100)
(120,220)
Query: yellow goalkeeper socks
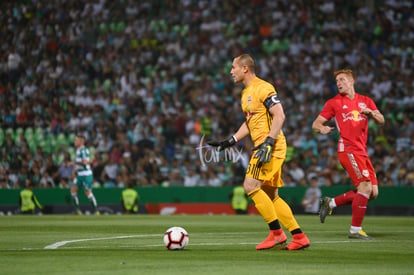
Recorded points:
(263,205)
(285,215)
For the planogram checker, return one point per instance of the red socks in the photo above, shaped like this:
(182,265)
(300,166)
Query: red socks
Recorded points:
(345,198)
(359,207)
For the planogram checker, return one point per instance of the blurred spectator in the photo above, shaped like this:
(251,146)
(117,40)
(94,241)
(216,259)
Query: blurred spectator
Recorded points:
(3,178)
(46,181)
(110,171)
(288,180)
(192,178)
(310,201)
(213,179)
(65,171)
(116,80)
(295,171)
(14,63)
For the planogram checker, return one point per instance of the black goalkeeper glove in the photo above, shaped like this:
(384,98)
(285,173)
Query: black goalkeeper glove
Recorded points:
(223,144)
(264,152)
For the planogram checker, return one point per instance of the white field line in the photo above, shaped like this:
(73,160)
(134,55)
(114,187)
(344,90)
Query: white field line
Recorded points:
(232,244)
(192,244)
(63,243)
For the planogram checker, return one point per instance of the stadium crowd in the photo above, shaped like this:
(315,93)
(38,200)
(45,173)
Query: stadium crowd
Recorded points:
(147,81)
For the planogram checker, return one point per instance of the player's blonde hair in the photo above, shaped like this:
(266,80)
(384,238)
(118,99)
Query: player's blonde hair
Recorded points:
(348,72)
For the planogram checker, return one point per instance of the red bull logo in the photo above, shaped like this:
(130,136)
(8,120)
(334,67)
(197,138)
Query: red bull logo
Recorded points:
(248,115)
(354,116)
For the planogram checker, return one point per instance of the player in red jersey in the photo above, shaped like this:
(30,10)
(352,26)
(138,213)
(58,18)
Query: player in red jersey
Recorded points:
(351,112)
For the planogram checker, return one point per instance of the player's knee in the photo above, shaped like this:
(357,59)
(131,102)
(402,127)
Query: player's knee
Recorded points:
(250,186)
(249,190)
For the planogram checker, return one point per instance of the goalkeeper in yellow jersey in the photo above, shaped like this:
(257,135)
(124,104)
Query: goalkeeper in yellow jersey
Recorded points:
(264,120)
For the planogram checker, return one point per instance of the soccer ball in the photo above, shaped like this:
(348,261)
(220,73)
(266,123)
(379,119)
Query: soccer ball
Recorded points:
(176,238)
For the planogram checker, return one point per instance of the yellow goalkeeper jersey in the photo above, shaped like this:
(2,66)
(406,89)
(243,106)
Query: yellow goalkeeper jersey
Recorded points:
(258,119)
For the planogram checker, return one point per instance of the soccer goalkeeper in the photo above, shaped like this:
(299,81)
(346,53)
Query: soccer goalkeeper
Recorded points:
(264,119)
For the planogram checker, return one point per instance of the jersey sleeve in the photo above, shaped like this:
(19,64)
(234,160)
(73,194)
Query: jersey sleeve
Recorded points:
(371,104)
(328,110)
(269,96)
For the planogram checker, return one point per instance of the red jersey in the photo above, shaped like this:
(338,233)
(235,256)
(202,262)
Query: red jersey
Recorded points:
(351,124)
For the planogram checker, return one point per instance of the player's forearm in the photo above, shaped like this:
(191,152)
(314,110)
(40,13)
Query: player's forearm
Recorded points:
(317,126)
(276,111)
(277,124)
(378,118)
(242,132)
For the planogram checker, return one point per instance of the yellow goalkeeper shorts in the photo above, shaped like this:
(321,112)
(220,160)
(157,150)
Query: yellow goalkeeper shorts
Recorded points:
(270,173)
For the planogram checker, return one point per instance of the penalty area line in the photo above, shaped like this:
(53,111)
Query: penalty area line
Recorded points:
(62,243)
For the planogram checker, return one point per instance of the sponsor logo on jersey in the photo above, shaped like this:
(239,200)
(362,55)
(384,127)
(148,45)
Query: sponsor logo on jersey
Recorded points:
(353,115)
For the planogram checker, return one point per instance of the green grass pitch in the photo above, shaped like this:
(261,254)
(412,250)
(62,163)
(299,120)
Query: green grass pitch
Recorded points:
(116,244)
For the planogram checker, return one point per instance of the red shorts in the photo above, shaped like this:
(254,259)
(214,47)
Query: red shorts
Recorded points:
(359,168)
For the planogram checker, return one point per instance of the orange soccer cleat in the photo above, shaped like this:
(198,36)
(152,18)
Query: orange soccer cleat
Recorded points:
(299,241)
(275,237)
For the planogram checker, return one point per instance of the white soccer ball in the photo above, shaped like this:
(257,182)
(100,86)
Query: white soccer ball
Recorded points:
(176,238)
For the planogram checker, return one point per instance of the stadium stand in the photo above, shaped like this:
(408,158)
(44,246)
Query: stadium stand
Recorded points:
(145,80)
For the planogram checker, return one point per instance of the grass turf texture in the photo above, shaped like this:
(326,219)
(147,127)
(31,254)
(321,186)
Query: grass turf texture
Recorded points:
(218,245)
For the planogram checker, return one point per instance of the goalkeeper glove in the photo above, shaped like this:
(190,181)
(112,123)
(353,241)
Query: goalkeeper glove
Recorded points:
(223,144)
(264,152)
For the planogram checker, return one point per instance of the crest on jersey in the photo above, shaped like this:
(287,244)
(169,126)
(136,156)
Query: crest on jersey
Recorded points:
(362,105)
(249,100)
